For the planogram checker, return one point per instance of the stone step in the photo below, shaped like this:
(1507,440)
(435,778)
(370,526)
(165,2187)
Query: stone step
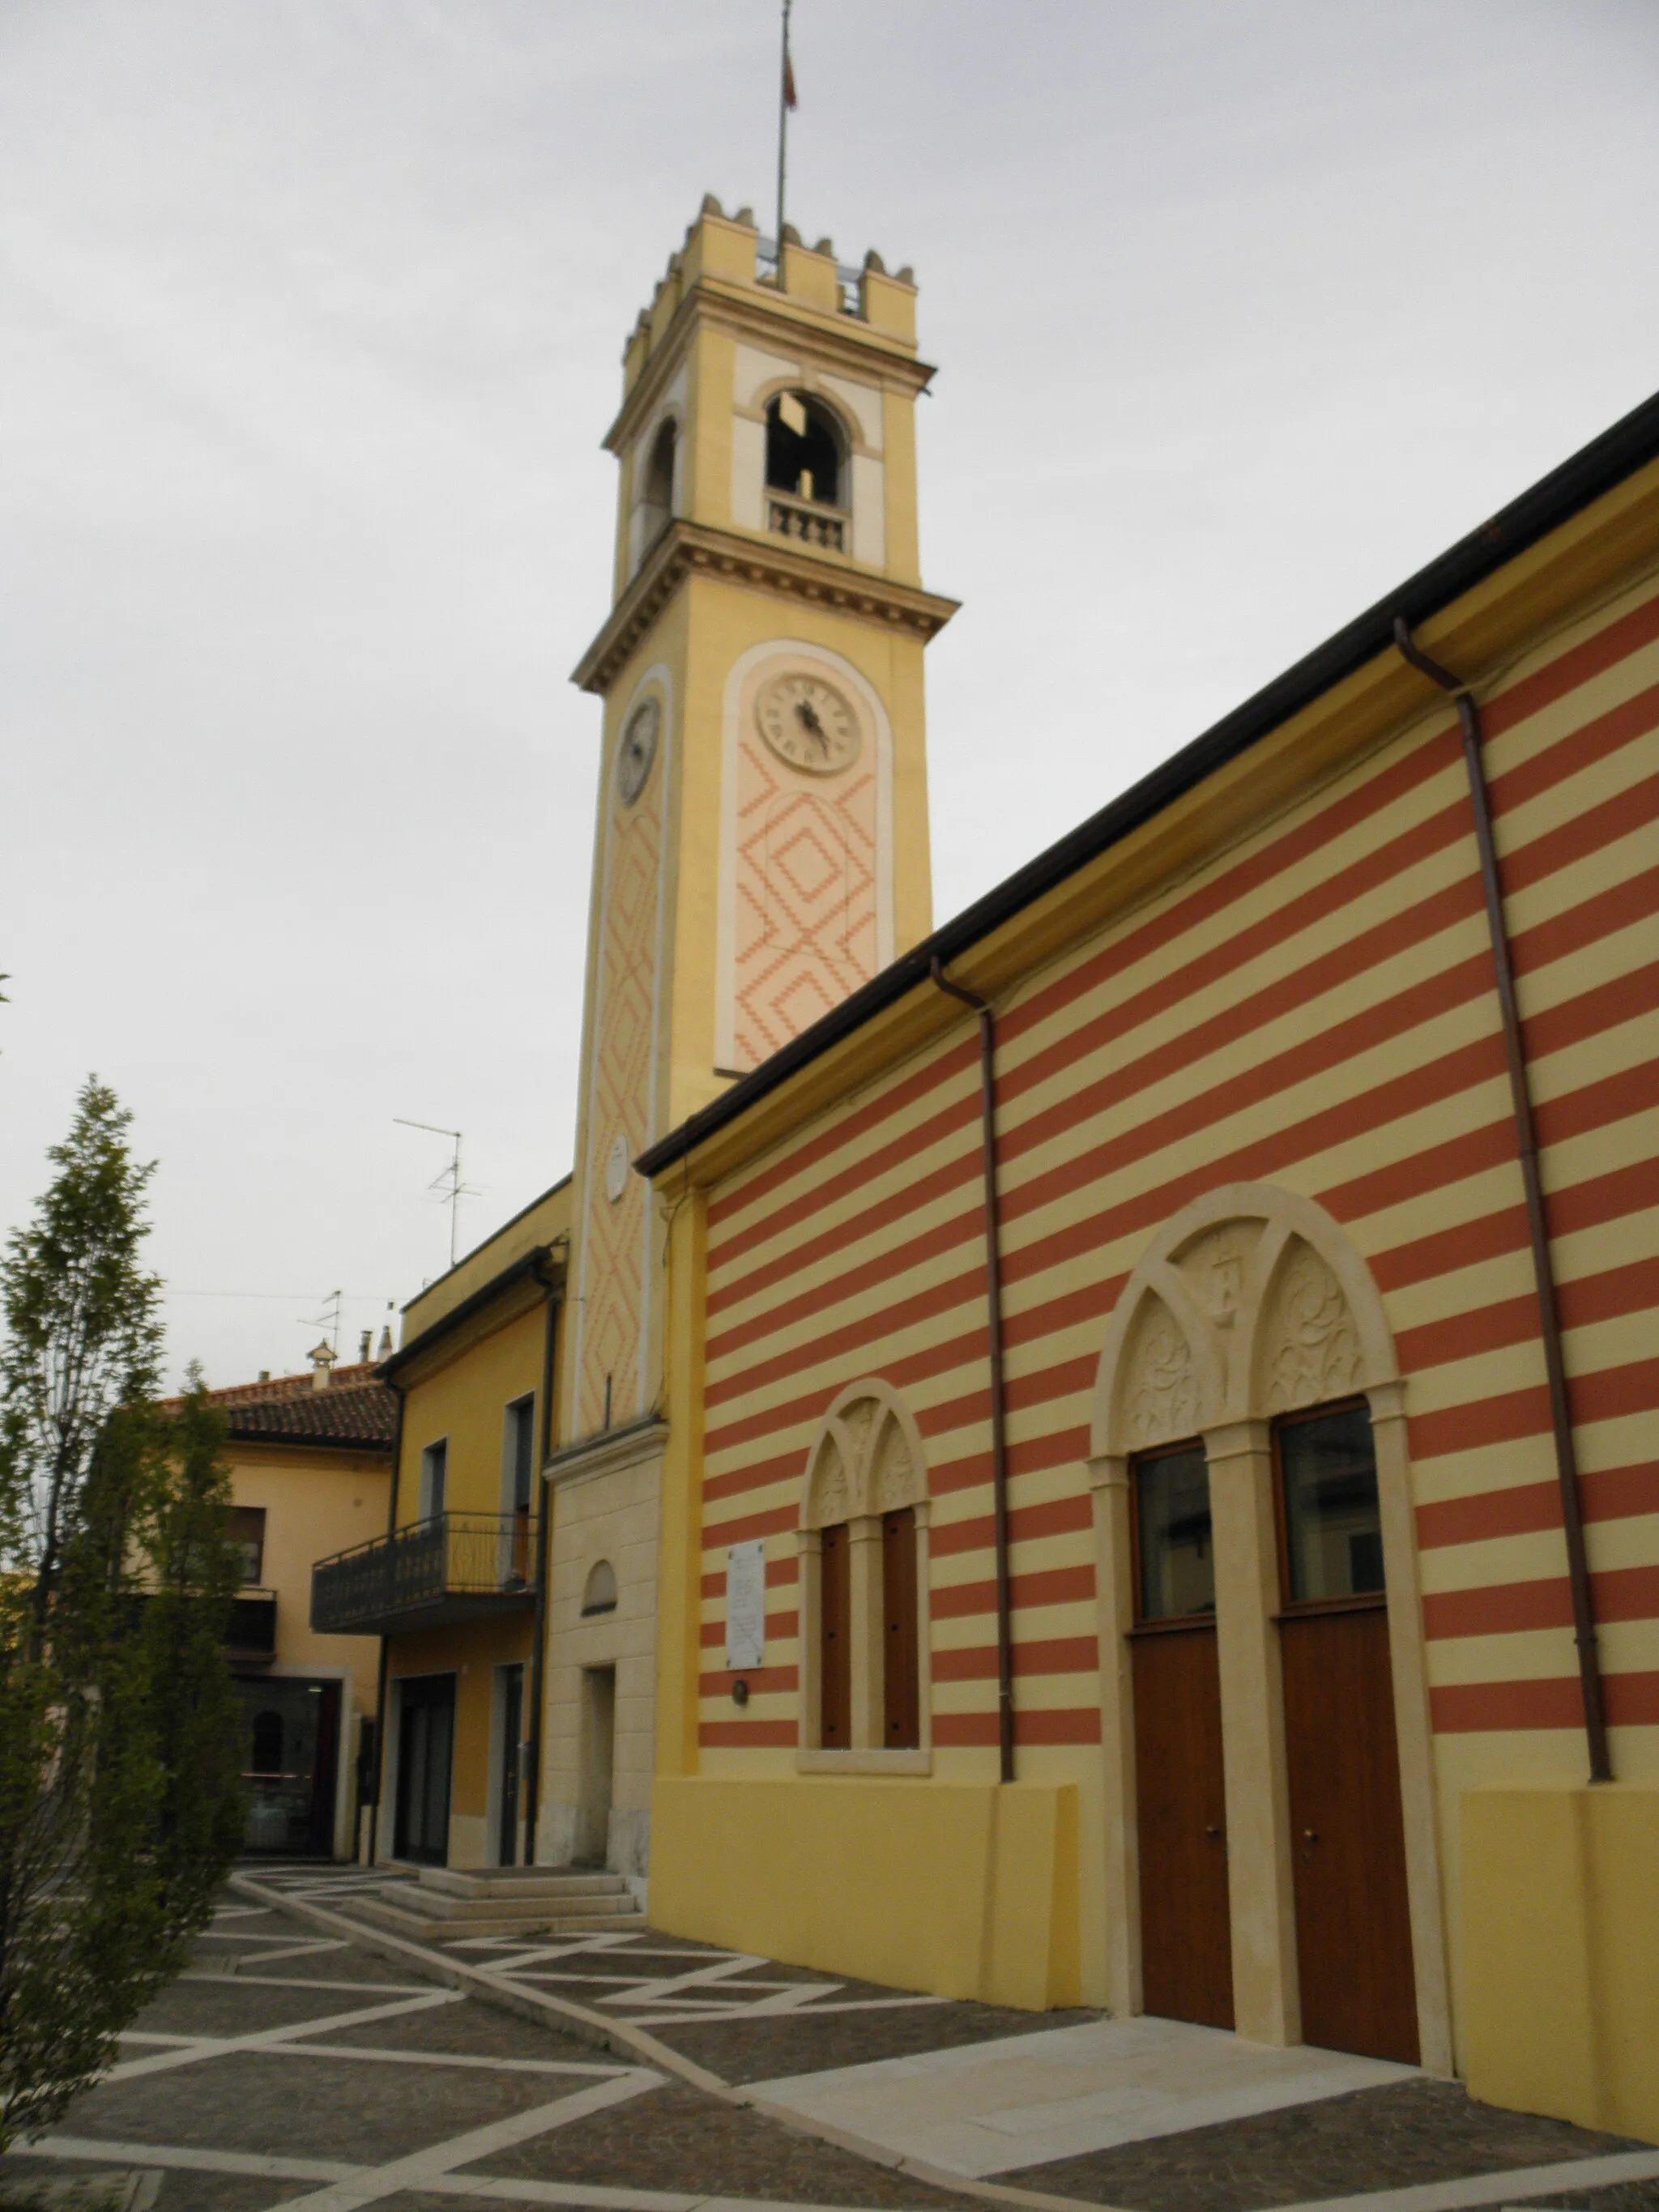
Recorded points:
(516,1883)
(411,1917)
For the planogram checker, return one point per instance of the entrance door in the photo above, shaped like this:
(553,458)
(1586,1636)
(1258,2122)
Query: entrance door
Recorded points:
(598,1763)
(511,1729)
(291,1742)
(1186,1925)
(425,1746)
(1353,1918)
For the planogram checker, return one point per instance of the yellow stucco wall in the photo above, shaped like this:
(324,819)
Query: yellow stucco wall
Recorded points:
(966,1889)
(315,1503)
(1561,1952)
(466,1400)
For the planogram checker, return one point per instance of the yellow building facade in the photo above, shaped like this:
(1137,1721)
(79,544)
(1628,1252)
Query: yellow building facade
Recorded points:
(1161,1506)
(310,1460)
(454,1583)
(1103,1452)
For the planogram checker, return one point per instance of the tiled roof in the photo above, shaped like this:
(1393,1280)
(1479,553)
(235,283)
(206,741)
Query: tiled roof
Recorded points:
(355,1411)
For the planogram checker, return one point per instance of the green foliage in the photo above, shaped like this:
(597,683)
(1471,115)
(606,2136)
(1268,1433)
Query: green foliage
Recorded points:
(120,1798)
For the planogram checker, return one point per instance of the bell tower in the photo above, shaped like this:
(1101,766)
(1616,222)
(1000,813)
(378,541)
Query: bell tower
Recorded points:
(761,847)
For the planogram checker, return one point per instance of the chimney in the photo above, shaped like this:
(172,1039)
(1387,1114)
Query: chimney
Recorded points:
(264,1375)
(322,1363)
(384,1352)
(365,1343)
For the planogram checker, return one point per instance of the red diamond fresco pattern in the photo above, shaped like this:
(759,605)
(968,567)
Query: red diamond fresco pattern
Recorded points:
(806,896)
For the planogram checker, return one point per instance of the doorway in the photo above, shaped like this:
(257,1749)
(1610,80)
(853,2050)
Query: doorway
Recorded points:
(426,1745)
(1186,1921)
(511,1680)
(1352,1915)
(599,1761)
(291,1761)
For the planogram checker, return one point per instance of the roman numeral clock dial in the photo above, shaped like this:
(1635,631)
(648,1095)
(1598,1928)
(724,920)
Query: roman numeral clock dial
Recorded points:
(808,723)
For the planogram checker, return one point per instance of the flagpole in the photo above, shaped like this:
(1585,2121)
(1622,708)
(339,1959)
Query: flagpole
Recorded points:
(783,128)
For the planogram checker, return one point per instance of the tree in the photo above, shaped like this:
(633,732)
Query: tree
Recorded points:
(120,1805)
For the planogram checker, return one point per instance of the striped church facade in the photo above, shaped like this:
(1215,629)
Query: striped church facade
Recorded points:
(1262,1017)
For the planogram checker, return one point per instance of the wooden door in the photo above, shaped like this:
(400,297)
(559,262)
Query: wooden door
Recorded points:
(901,1677)
(1186,1926)
(1352,1920)
(835,1640)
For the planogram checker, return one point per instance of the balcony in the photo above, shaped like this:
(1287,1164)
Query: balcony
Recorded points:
(432,1574)
(251,1639)
(807,523)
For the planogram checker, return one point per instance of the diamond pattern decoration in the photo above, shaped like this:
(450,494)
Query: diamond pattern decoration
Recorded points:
(805,898)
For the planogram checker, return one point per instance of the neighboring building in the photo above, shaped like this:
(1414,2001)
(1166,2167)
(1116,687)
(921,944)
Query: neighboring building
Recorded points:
(310,1458)
(1178,1614)
(454,1580)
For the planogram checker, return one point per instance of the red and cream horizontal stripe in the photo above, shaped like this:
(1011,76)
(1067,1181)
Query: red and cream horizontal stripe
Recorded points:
(1317,1009)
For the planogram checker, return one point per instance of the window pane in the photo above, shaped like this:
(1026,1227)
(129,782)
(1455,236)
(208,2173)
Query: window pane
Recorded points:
(1333,1527)
(1178,1558)
(244,1525)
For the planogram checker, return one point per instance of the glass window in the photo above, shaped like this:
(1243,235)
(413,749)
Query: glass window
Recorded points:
(244,1525)
(1172,1518)
(435,1478)
(1333,1526)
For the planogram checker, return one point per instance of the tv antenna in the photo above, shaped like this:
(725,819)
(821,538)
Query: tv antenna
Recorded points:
(329,1319)
(446,1185)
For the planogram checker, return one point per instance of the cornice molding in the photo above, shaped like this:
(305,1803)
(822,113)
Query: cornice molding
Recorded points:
(688,549)
(608,1453)
(770,318)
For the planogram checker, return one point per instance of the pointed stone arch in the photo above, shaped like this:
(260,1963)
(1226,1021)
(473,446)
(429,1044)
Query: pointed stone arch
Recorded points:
(868,1457)
(1273,1308)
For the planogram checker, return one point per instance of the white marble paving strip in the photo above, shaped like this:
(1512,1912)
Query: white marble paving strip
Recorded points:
(1504,2190)
(418,2170)
(388,2056)
(305,1982)
(264,2039)
(487,2187)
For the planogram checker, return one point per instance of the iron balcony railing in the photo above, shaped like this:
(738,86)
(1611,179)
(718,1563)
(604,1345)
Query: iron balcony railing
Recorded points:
(452,1567)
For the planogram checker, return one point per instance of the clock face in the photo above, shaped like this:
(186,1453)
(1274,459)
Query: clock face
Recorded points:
(638,749)
(808,723)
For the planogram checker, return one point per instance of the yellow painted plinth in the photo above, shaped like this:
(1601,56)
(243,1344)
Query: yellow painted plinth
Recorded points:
(1561,1952)
(963,1890)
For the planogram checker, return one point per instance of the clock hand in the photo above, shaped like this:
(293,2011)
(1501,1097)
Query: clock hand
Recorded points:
(807,715)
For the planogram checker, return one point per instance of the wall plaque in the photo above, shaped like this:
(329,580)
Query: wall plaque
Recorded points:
(745,1605)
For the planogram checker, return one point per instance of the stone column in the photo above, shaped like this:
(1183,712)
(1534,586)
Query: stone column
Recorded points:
(1267,2000)
(1114,1612)
(869,1721)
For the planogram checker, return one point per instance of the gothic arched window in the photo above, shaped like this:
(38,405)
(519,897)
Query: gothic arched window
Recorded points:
(864,1574)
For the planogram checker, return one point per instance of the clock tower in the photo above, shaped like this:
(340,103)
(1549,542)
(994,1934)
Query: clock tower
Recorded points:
(762,846)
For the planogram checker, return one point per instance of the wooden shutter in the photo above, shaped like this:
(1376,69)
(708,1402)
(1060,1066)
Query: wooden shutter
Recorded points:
(835,1641)
(900,1678)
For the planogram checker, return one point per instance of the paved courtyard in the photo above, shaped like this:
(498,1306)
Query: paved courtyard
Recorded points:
(298,2063)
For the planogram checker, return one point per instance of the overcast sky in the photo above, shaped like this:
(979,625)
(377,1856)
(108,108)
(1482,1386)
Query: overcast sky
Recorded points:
(311,313)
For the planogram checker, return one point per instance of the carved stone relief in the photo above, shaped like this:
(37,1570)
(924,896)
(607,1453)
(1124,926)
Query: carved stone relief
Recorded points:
(867,1459)
(1160,1396)
(1309,1343)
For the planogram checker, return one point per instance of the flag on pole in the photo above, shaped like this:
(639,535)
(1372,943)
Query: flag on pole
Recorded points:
(789,99)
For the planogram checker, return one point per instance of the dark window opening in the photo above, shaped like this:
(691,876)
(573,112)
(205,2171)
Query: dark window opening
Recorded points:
(657,497)
(803,450)
(835,1640)
(1332,1521)
(1175,1550)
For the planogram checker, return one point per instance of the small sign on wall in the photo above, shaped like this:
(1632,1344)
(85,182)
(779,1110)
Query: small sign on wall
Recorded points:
(745,1605)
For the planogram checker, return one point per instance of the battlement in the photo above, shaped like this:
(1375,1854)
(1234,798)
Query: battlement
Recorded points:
(729,250)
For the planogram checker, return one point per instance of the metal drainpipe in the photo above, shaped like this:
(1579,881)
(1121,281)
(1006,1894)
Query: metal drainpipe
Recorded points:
(532,1793)
(988,1096)
(380,1708)
(1543,1266)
